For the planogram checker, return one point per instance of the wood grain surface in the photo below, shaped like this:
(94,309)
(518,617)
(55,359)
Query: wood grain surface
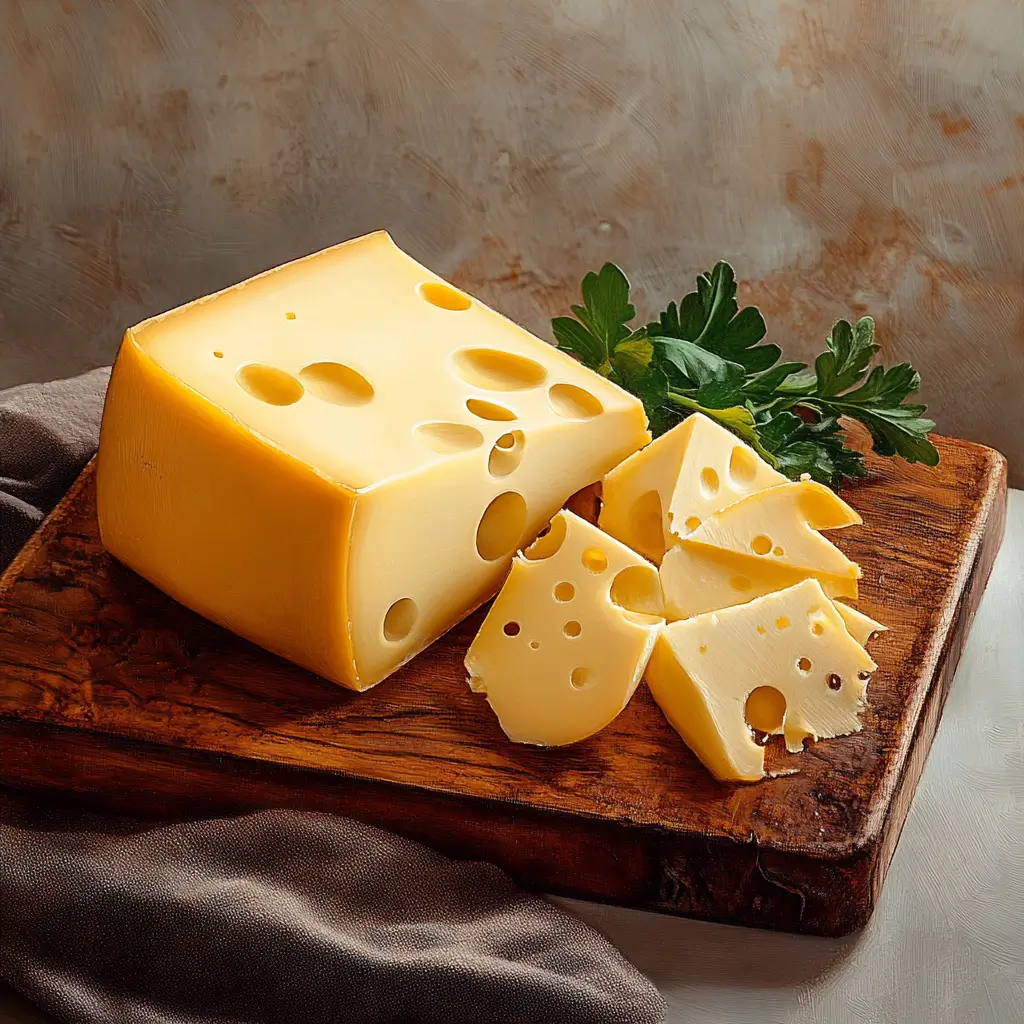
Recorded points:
(110,690)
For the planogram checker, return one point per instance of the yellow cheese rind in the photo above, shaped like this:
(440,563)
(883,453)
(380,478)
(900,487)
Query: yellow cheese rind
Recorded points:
(314,458)
(685,475)
(567,639)
(860,626)
(704,670)
(697,578)
(780,525)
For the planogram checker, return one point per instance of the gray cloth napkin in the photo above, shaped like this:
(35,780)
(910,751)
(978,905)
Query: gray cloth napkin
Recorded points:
(279,916)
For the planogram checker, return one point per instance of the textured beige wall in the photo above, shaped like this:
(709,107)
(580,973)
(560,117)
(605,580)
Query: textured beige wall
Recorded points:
(845,156)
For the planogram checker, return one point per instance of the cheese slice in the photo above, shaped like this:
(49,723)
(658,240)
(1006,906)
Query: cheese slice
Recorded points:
(860,626)
(697,579)
(781,663)
(338,458)
(566,641)
(668,488)
(779,526)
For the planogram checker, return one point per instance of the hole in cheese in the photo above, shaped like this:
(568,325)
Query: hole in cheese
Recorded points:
(646,529)
(579,678)
(289,316)
(742,467)
(564,592)
(574,403)
(489,411)
(778,552)
(534,645)
(269,384)
(594,560)
(507,453)
(572,628)
(804,665)
(766,709)
(400,619)
(511,629)
(782,622)
(817,628)
(218,354)
(692,523)
(449,437)
(337,383)
(762,630)
(444,296)
(496,370)
(501,526)
(637,589)
(761,545)
(708,482)
(740,583)
(548,543)
(834,681)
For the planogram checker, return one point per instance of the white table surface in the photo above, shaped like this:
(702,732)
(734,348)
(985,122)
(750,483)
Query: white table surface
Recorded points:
(946,944)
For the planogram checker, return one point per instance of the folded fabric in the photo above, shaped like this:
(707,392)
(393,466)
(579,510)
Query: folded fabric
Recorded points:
(48,432)
(275,916)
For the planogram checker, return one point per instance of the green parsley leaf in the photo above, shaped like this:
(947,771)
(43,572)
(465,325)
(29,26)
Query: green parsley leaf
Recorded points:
(815,448)
(705,354)
(600,322)
(711,318)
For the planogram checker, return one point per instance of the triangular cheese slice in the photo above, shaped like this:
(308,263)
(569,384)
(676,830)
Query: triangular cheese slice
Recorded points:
(860,626)
(566,641)
(779,526)
(781,663)
(698,579)
(668,488)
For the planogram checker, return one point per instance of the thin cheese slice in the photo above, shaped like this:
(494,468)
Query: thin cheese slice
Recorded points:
(779,526)
(668,488)
(698,579)
(567,640)
(339,458)
(781,663)
(860,626)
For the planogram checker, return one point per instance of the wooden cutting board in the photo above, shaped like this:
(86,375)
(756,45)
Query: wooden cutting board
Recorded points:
(110,690)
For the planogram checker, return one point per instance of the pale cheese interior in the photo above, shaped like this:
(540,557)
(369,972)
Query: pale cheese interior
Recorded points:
(793,643)
(567,639)
(669,488)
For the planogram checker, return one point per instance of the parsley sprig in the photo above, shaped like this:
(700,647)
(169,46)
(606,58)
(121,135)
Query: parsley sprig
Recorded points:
(705,354)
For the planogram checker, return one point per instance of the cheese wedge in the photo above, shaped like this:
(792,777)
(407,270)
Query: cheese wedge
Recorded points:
(338,458)
(779,526)
(668,488)
(781,663)
(860,626)
(698,579)
(566,641)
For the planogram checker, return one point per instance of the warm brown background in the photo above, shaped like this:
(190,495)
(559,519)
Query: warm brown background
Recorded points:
(845,156)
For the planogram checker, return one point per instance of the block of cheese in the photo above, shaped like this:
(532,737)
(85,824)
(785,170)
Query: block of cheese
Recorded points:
(780,663)
(672,485)
(860,626)
(698,579)
(566,641)
(338,458)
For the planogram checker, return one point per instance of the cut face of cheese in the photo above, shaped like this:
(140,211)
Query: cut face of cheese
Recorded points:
(668,488)
(779,526)
(567,639)
(698,579)
(338,458)
(860,626)
(783,663)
